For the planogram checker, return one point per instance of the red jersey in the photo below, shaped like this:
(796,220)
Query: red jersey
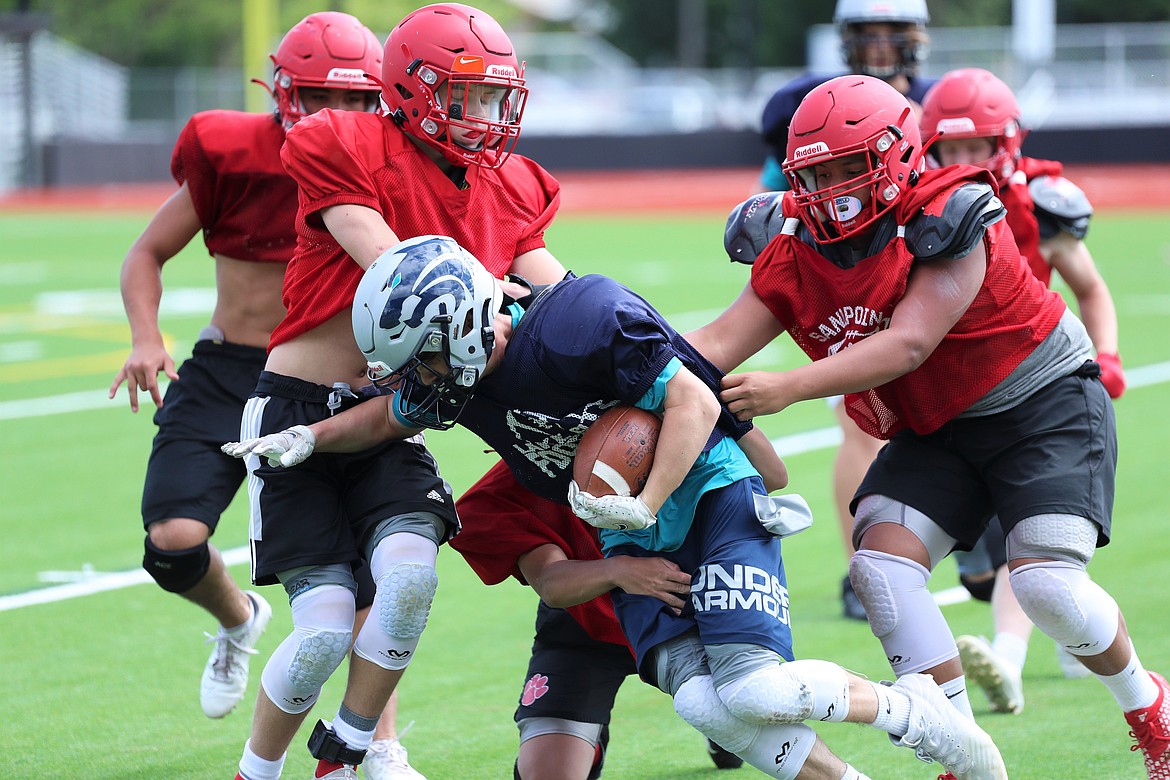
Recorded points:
(245,200)
(363,159)
(826,308)
(1021,212)
(502,521)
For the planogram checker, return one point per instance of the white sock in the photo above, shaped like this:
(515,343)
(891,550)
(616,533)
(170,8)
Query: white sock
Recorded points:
(956,691)
(853,774)
(893,711)
(252,767)
(1012,648)
(238,631)
(1132,687)
(354,736)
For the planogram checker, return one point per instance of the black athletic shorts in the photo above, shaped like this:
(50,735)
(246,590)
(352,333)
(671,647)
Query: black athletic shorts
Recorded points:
(321,511)
(187,475)
(571,675)
(1055,453)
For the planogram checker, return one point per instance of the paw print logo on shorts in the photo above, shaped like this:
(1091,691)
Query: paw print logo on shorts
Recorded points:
(534,689)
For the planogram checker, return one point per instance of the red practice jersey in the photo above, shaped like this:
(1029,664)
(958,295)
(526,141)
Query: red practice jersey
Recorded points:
(502,521)
(1021,211)
(245,200)
(349,157)
(826,308)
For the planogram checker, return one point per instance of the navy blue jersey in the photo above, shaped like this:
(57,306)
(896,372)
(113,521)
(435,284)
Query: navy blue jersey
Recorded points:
(584,345)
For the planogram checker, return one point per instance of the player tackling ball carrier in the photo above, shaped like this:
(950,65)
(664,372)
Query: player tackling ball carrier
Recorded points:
(449,344)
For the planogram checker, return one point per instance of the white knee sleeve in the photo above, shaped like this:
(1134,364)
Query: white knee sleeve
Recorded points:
(901,611)
(322,632)
(792,692)
(779,751)
(403,566)
(1064,603)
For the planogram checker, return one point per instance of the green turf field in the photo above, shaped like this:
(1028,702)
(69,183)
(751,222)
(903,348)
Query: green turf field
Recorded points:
(105,685)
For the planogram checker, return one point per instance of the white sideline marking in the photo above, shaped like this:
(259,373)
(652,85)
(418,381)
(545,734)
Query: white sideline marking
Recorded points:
(98,584)
(794,444)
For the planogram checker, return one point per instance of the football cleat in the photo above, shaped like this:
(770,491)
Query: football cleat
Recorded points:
(328,770)
(225,677)
(386,760)
(723,759)
(939,732)
(1000,681)
(1151,728)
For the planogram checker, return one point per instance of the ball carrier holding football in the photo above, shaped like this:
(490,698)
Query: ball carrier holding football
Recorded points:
(449,344)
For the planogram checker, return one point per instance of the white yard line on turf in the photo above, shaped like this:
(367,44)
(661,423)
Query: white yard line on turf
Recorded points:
(786,446)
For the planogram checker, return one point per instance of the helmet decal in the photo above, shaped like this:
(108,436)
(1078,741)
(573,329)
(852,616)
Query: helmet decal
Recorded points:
(423,315)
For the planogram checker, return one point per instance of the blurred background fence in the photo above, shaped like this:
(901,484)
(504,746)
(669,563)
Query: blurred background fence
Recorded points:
(68,116)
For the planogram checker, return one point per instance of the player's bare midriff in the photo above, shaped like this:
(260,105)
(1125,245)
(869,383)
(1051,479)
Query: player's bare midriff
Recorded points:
(248,301)
(325,355)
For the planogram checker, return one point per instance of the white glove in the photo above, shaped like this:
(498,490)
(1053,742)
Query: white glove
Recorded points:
(783,515)
(617,513)
(287,448)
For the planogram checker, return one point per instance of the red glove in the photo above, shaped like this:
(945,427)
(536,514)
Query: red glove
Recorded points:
(1111,374)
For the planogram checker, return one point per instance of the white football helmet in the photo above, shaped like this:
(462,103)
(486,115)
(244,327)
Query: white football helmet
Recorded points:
(423,315)
(912,43)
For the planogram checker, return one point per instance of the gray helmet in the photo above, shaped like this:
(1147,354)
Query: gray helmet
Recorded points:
(903,11)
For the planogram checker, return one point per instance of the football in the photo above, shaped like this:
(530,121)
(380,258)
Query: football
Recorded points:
(615,454)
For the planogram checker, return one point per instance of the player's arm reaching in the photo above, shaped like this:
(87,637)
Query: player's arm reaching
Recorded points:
(563,582)
(938,294)
(361,231)
(356,429)
(1070,258)
(170,229)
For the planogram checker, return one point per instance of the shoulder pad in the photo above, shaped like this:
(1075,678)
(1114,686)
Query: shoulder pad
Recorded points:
(1060,206)
(968,211)
(752,225)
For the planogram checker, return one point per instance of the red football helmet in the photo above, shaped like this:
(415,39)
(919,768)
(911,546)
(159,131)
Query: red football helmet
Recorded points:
(844,117)
(328,50)
(973,103)
(450,68)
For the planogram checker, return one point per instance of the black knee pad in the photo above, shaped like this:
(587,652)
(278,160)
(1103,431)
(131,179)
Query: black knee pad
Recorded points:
(176,571)
(979,589)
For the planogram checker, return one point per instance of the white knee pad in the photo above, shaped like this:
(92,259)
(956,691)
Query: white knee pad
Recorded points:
(1054,537)
(322,632)
(1064,603)
(698,704)
(791,692)
(403,566)
(901,611)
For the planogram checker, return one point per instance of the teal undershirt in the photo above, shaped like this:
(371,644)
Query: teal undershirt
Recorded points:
(718,467)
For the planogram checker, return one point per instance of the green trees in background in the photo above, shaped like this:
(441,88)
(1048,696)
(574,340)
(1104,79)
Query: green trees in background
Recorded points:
(707,33)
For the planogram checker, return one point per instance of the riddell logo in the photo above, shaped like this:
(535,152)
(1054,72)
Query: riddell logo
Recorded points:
(506,71)
(346,74)
(820,147)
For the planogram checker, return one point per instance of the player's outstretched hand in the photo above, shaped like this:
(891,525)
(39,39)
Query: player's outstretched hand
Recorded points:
(287,448)
(656,577)
(140,373)
(617,513)
(755,393)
